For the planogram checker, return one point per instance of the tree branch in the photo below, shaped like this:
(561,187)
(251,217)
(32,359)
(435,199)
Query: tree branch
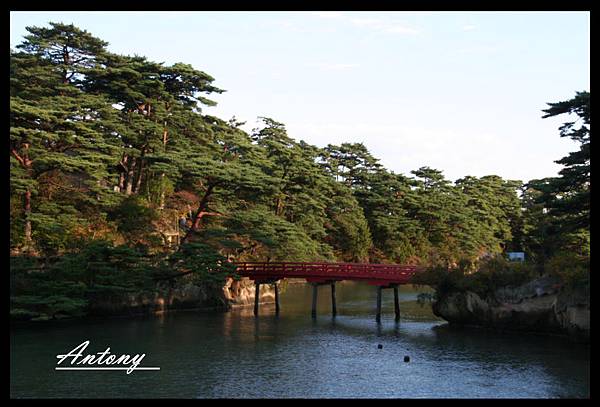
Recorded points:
(200,213)
(18,157)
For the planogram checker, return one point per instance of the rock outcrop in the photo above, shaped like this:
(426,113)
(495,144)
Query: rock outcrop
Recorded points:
(181,295)
(240,293)
(542,305)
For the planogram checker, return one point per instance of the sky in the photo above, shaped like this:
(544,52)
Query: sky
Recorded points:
(461,92)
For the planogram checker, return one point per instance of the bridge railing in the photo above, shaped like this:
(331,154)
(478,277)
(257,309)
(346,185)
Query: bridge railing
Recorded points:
(333,271)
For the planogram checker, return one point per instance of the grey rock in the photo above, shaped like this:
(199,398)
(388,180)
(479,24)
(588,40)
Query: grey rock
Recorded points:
(541,305)
(183,294)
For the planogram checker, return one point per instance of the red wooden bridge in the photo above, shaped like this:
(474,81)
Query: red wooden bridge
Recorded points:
(380,275)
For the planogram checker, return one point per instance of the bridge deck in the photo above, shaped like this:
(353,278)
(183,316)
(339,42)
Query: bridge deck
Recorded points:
(375,274)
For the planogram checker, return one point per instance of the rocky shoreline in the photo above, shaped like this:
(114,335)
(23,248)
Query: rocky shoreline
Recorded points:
(540,306)
(182,295)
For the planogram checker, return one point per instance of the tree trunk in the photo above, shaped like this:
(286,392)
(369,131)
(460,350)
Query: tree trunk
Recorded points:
(162,191)
(66,61)
(121,181)
(162,176)
(277,206)
(27,164)
(138,182)
(27,207)
(199,214)
(123,173)
(129,179)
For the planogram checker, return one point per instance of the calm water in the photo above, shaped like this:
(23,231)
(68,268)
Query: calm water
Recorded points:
(232,354)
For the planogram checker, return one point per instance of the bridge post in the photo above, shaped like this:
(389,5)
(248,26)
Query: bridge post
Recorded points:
(378,315)
(396,304)
(333,307)
(276,298)
(314,300)
(256,296)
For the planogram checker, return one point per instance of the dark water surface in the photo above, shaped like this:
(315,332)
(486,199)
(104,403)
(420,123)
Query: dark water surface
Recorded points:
(232,354)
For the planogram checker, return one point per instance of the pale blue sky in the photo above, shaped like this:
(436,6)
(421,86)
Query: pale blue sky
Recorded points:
(459,92)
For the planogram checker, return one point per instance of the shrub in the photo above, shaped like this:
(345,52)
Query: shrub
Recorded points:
(572,268)
(491,274)
(134,219)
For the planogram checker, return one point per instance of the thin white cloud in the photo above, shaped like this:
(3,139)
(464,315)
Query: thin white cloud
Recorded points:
(333,66)
(477,49)
(294,27)
(384,26)
(469,27)
(375,23)
(328,14)
(290,26)
(380,25)
(400,29)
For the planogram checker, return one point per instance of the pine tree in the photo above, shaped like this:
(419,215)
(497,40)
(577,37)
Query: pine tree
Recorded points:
(568,196)
(58,133)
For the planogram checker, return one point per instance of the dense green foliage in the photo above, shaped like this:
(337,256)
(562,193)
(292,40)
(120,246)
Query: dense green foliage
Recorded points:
(552,227)
(119,180)
(493,273)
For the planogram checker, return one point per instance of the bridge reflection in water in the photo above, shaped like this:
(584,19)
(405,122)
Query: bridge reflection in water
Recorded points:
(317,274)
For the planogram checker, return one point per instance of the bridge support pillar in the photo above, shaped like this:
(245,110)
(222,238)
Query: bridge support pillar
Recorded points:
(333,306)
(396,304)
(378,315)
(314,300)
(256,297)
(276,298)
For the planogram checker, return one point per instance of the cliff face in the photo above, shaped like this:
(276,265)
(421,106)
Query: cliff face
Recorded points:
(182,295)
(539,306)
(241,293)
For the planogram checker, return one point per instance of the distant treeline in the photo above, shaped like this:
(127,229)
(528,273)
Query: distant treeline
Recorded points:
(119,180)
